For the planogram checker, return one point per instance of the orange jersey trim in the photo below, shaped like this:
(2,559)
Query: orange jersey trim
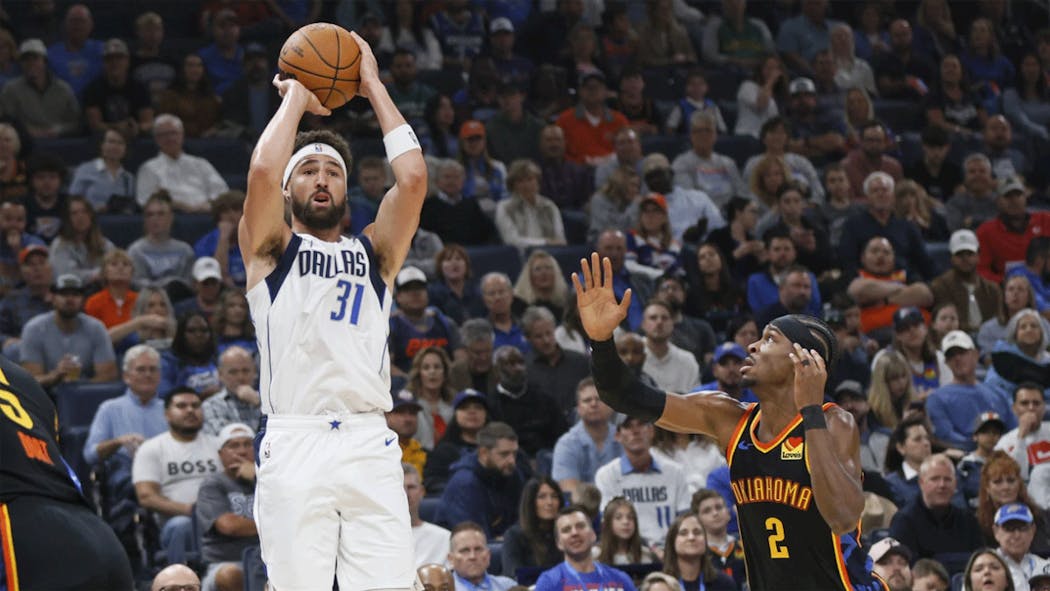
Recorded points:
(7,546)
(734,439)
(766,447)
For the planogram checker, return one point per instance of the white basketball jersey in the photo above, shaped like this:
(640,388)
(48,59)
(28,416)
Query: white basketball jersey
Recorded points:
(322,318)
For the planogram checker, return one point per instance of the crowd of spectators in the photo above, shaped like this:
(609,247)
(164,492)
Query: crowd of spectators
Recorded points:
(874,164)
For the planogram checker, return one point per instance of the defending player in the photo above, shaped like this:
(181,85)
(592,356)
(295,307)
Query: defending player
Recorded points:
(794,463)
(330,497)
(50,537)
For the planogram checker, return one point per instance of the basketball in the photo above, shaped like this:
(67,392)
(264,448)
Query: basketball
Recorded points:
(326,60)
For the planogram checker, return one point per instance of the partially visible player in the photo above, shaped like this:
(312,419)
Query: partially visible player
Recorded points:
(50,538)
(794,463)
(330,499)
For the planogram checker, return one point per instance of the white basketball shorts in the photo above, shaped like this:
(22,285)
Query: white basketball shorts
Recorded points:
(330,504)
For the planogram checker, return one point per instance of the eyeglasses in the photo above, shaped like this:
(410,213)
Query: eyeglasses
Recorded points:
(186,587)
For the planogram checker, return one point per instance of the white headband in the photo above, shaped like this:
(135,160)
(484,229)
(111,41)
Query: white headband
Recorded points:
(307,151)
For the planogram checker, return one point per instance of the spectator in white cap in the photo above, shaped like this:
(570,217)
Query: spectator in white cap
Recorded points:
(191,180)
(416,324)
(819,136)
(114,100)
(224,510)
(891,560)
(954,408)
(45,104)
(1014,531)
(976,299)
(1006,236)
(207,287)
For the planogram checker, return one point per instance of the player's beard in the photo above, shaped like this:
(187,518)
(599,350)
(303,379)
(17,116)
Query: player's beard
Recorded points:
(323,220)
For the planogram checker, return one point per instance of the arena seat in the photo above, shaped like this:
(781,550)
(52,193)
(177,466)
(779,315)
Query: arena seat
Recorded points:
(575,223)
(738,147)
(190,227)
(429,510)
(664,83)
(78,401)
(940,254)
(72,150)
(484,259)
(496,562)
(668,145)
(898,115)
(227,155)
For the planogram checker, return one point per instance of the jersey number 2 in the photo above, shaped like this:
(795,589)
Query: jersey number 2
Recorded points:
(777,549)
(355,305)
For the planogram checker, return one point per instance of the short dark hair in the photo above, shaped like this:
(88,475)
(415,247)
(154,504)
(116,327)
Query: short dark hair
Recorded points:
(702,495)
(1038,246)
(570,509)
(778,231)
(934,135)
(160,196)
(175,392)
(735,205)
(773,123)
(1027,385)
(466,526)
(870,123)
(490,434)
(226,201)
(324,136)
(790,186)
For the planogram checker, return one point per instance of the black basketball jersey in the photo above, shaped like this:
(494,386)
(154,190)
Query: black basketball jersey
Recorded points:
(788,544)
(32,462)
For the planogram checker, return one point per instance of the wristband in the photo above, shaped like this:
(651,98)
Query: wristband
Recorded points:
(401,139)
(813,417)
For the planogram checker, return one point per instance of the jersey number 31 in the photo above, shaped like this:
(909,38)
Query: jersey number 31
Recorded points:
(355,306)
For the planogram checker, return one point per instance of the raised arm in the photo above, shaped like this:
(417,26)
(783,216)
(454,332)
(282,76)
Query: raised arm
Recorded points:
(832,446)
(710,413)
(263,232)
(398,216)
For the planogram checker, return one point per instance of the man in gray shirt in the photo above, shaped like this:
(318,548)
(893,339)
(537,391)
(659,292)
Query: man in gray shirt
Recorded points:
(66,344)
(224,510)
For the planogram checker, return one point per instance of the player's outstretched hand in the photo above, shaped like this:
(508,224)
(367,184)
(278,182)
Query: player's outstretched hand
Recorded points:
(599,312)
(291,86)
(369,68)
(810,376)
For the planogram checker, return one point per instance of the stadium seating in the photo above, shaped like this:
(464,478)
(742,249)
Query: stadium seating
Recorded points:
(123,229)
(76,404)
(484,259)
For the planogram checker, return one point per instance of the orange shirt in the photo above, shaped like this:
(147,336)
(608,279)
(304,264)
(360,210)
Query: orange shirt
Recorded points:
(881,315)
(583,140)
(105,308)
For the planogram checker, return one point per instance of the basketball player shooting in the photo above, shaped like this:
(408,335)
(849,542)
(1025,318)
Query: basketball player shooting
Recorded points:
(794,462)
(329,501)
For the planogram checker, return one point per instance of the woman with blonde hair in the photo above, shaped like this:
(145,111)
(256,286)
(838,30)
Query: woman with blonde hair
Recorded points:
(858,110)
(615,205)
(891,390)
(769,174)
(527,218)
(428,380)
(915,205)
(542,283)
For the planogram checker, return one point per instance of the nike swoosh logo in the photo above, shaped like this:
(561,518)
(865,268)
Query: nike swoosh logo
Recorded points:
(389,441)
(744,445)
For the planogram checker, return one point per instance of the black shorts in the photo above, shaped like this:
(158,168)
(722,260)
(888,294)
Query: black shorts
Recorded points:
(52,545)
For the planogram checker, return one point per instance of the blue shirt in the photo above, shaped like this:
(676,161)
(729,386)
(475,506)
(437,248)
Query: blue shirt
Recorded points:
(954,408)
(565,578)
(94,182)
(174,373)
(762,291)
(123,415)
(489,583)
(222,71)
(78,68)
(577,457)
(513,337)
(205,247)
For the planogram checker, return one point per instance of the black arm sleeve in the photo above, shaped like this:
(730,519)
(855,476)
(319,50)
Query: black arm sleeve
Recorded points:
(620,388)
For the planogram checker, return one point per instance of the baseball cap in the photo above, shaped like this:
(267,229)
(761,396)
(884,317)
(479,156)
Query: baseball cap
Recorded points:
(963,240)
(988,417)
(729,348)
(1009,185)
(594,74)
(115,47)
(656,198)
(655,161)
(233,431)
(468,395)
(849,388)
(501,25)
(207,268)
(906,318)
(405,398)
(1040,575)
(31,249)
(1013,512)
(68,282)
(471,128)
(802,85)
(32,46)
(408,275)
(956,339)
(886,546)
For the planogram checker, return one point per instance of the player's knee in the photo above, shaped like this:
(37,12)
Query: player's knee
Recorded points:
(229,578)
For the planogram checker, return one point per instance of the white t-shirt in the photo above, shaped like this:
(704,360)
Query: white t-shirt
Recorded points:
(698,460)
(178,466)
(432,543)
(677,371)
(658,495)
(1029,452)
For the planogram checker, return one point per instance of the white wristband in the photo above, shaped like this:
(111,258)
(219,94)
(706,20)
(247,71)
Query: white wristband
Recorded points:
(400,140)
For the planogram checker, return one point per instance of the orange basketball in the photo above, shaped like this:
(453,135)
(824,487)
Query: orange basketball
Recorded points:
(326,60)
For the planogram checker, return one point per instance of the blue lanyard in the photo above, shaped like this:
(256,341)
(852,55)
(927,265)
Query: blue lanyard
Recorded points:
(701,579)
(576,577)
